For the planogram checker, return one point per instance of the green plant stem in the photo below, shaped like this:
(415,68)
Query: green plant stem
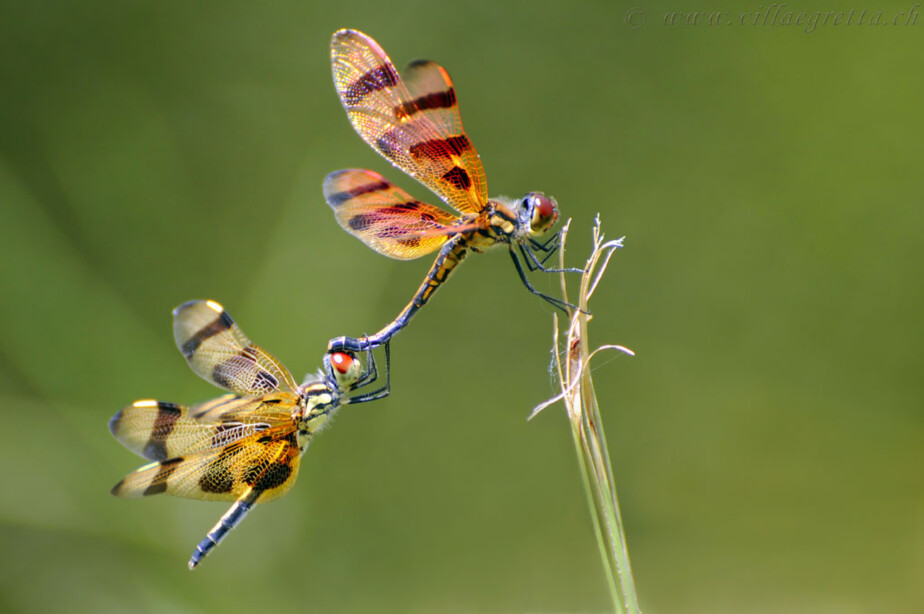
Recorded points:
(587,429)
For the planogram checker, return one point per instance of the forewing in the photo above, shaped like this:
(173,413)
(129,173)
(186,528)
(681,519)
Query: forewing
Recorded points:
(232,408)
(385,217)
(218,351)
(414,123)
(158,430)
(266,461)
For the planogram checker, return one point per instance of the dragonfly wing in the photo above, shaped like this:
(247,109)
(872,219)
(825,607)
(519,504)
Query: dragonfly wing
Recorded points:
(266,461)
(218,351)
(158,430)
(385,217)
(414,123)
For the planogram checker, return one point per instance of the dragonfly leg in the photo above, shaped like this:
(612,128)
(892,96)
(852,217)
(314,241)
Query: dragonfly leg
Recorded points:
(381,392)
(555,302)
(549,247)
(370,371)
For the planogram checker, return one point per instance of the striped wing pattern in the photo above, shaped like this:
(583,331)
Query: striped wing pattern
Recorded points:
(239,445)
(218,351)
(158,430)
(265,462)
(244,447)
(385,217)
(413,122)
(232,408)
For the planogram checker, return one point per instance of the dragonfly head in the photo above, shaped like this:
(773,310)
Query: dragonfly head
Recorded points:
(538,213)
(343,368)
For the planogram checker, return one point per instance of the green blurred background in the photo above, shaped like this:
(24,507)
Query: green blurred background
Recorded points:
(767,439)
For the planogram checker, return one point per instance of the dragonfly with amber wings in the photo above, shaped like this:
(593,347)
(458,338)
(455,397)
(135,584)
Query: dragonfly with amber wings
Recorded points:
(412,119)
(245,446)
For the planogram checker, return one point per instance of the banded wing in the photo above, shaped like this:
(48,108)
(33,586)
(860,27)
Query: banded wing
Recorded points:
(218,351)
(414,123)
(158,430)
(265,462)
(232,408)
(385,217)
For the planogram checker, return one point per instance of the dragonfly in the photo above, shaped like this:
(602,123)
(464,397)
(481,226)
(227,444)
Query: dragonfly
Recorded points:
(244,446)
(412,120)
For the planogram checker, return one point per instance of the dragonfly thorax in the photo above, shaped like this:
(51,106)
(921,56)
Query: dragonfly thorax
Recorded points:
(322,393)
(319,401)
(503,219)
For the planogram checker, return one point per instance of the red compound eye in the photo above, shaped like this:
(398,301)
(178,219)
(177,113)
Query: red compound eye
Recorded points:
(545,206)
(542,212)
(342,361)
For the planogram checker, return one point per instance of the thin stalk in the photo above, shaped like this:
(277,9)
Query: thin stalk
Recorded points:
(577,393)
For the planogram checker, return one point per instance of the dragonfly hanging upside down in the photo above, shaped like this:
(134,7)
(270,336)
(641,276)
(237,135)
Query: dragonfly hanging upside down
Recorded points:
(245,446)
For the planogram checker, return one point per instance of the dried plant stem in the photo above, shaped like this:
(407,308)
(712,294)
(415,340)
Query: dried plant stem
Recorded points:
(572,360)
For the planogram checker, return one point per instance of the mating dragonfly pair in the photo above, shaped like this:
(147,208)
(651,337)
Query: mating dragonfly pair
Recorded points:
(246,446)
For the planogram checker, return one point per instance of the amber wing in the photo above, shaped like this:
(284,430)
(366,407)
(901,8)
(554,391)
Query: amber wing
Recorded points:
(218,351)
(265,461)
(413,122)
(385,217)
